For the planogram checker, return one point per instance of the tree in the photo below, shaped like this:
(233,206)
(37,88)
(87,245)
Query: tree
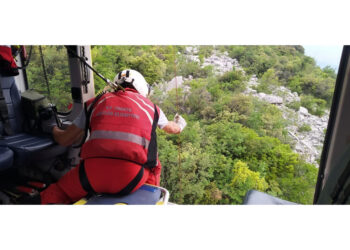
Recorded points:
(244,180)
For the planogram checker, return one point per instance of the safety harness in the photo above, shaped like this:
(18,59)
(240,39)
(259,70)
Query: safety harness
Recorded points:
(151,155)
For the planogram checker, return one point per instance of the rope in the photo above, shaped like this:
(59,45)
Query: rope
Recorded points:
(113,85)
(178,138)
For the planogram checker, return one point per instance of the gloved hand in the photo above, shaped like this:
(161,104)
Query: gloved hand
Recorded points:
(47,119)
(180,121)
(48,125)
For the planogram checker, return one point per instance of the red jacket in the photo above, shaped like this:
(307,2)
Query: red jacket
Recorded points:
(122,126)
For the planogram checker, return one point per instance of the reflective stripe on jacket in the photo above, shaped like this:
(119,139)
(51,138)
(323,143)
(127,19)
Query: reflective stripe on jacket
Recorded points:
(121,127)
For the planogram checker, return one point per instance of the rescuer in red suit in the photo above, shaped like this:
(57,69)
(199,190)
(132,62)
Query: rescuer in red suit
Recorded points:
(120,154)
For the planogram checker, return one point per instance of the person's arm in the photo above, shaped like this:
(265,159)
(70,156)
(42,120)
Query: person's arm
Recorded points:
(68,136)
(73,133)
(172,128)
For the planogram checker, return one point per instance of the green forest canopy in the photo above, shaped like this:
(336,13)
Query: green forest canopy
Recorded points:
(233,143)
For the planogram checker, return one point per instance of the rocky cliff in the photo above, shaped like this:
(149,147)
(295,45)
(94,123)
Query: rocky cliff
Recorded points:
(307,142)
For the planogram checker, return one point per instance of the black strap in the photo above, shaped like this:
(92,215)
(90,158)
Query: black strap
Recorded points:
(132,184)
(84,180)
(152,147)
(341,182)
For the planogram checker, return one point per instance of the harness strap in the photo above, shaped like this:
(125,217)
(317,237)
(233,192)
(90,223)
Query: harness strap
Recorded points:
(88,113)
(152,147)
(88,188)
(84,180)
(132,184)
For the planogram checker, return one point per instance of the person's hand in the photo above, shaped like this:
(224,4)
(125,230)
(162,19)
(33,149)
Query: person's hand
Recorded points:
(48,119)
(180,121)
(48,126)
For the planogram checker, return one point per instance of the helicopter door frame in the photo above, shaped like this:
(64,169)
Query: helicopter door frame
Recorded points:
(338,133)
(82,80)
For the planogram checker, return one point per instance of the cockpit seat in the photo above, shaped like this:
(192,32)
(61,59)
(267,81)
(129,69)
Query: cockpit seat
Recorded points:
(25,145)
(6,158)
(254,197)
(22,144)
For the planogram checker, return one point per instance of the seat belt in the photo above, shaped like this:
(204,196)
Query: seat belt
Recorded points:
(4,115)
(84,181)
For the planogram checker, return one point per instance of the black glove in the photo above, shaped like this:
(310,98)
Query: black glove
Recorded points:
(48,119)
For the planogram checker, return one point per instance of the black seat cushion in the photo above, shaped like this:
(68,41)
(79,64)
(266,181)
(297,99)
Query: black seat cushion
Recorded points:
(6,158)
(24,145)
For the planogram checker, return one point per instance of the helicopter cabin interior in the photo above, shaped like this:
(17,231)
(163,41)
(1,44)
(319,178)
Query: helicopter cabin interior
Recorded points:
(30,160)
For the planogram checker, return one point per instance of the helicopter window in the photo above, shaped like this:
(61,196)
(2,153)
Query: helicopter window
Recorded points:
(48,73)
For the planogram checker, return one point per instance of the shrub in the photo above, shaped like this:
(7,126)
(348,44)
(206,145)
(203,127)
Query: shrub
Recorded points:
(294,105)
(314,105)
(268,80)
(304,128)
(233,80)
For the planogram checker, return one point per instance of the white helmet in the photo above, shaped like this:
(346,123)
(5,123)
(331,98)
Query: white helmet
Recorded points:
(134,78)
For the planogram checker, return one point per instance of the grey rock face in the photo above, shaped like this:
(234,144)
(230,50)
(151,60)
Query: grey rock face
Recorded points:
(308,143)
(221,63)
(303,111)
(178,81)
(270,98)
(191,50)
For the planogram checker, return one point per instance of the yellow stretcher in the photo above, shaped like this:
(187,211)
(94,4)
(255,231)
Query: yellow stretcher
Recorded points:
(145,195)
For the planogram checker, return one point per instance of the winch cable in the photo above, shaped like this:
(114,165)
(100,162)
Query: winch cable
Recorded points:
(179,137)
(83,60)
(44,70)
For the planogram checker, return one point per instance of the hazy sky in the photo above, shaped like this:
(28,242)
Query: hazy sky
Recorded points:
(325,55)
